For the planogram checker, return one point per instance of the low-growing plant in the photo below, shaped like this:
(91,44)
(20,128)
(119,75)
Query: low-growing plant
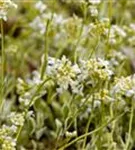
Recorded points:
(67,77)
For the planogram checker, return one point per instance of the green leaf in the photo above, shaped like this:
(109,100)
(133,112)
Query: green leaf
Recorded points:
(65,110)
(31,125)
(40,132)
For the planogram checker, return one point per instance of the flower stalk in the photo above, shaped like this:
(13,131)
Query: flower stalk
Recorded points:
(2,65)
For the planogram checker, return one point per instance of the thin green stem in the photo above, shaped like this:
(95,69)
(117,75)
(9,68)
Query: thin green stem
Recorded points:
(130,127)
(77,43)
(80,33)
(88,124)
(45,59)
(2,66)
(77,113)
(87,129)
(31,101)
(113,126)
(89,133)
(110,15)
(95,48)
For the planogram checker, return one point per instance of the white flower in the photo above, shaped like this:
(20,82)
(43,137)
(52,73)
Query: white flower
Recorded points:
(130,93)
(9,144)
(24,101)
(47,16)
(76,69)
(13,129)
(93,11)
(3,14)
(112,41)
(17,118)
(38,25)
(58,19)
(40,6)
(94,2)
(119,31)
(124,86)
(132,26)
(71,134)
(6,4)
(36,78)
(97,104)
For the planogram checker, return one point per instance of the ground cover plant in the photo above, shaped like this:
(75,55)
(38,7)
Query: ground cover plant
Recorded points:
(67,77)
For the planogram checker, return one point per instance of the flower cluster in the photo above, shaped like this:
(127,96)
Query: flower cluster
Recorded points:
(130,30)
(97,69)
(98,27)
(4,6)
(7,142)
(63,72)
(65,100)
(40,6)
(38,25)
(65,31)
(103,95)
(93,7)
(8,132)
(116,33)
(124,88)
(67,75)
(17,119)
(116,58)
(27,89)
(72,26)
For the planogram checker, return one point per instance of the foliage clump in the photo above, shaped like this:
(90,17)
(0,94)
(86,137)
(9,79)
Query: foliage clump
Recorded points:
(67,75)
